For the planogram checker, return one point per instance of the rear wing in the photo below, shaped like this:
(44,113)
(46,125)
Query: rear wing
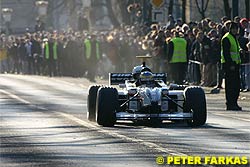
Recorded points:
(120,78)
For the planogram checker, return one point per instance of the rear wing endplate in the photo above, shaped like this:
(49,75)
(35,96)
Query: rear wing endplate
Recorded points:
(120,78)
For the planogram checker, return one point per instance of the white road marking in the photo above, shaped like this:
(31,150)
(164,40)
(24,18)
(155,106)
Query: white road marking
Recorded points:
(228,116)
(95,127)
(64,82)
(69,83)
(15,97)
(83,86)
(117,135)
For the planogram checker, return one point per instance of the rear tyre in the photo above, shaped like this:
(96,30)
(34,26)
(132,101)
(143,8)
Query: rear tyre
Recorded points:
(91,113)
(195,102)
(107,104)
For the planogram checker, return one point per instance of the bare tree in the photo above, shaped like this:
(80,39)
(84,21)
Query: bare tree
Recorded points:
(124,13)
(184,10)
(111,14)
(247,4)
(170,7)
(71,5)
(202,7)
(227,8)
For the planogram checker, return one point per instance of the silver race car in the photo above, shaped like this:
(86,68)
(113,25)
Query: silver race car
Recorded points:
(144,96)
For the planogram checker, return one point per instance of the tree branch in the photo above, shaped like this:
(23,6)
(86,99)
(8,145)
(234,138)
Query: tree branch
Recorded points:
(206,5)
(196,1)
(202,5)
(170,7)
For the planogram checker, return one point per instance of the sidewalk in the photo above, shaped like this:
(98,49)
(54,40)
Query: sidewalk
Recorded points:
(85,83)
(243,95)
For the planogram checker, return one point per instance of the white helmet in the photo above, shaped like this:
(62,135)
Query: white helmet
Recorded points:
(136,72)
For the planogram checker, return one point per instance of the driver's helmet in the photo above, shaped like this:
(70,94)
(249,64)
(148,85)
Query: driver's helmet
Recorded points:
(146,76)
(136,72)
(145,69)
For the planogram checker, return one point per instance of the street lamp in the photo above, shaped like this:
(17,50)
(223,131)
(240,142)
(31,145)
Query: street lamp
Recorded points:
(42,8)
(42,12)
(7,18)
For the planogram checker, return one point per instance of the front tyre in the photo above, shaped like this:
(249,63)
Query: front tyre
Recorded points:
(91,113)
(195,102)
(107,104)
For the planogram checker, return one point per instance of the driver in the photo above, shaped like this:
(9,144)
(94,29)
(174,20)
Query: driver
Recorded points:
(136,72)
(147,78)
(142,75)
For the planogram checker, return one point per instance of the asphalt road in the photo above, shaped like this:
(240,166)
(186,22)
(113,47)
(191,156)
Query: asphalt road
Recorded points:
(43,123)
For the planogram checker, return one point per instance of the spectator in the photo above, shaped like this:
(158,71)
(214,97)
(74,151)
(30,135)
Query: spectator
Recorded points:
(244,55)
(159,51)
(191,66)
(92,52)
(83,23)
(214,57)
(50,50)
(40,26)
(225,27)
(171,22)
(244,27)
(36,51)
(30,58)
(177,57)
(231,63)
(124,44)
(22,55)
(14,56)
(205,48)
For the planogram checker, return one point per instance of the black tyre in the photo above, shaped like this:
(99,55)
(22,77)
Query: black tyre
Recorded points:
(91,113)
(106,106)
(195,102)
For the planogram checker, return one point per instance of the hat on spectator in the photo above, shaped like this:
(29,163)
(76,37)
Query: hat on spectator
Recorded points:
(243,20)
(227,23)
(237,18)
(224,19)
(185,28)
(154,27)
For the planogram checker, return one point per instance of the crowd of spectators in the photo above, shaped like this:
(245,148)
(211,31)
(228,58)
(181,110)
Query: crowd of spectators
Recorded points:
(25,54)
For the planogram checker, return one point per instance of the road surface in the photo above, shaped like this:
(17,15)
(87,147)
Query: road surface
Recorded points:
(43,123)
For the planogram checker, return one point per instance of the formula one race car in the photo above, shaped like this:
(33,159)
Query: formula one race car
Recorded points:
(144,96)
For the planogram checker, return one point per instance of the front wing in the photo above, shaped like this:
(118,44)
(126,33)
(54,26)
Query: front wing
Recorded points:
(161,116)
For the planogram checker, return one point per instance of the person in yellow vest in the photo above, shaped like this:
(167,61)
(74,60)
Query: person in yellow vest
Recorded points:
(50,54)
(92,53)
(177,58)
(230,59)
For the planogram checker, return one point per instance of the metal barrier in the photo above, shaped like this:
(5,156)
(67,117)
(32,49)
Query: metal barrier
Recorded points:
(194,73)
(245,75)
